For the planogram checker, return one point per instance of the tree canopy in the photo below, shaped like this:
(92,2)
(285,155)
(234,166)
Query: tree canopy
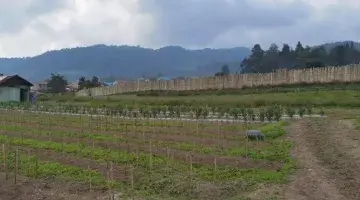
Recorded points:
(57,83)
(263,61)
(84,83)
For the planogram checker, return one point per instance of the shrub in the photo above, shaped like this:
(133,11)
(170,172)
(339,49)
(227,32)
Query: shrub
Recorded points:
(262,115)
(309,109)
(290,111)
(269,114)
(301,111)
(251,114)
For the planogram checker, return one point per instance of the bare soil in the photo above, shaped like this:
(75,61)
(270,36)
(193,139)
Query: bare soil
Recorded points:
(328,154)
(31,189)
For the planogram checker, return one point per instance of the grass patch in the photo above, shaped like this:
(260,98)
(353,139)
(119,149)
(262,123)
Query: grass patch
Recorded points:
(318,98)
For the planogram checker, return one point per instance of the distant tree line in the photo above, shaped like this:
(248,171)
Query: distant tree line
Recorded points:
(83,83)
(57,83)
(263,61)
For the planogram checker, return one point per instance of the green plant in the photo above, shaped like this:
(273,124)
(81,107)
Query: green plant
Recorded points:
(309,109)
(234,112)
(243,112)
(262,114)
(269,113)
(301,111)
(290,111)
(277,112)
(251,114)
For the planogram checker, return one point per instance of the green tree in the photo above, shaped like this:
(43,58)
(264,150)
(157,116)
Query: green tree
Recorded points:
(82,83)
(95,82)
(225,70)
(271,58)
(254,62)
(57,83)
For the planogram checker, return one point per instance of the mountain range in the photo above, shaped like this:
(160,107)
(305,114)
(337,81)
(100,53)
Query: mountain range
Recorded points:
(124,62)
(115,62)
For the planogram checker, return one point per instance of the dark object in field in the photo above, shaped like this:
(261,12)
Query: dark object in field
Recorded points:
(254,135)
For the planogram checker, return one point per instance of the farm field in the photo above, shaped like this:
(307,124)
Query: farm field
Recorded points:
(100,152)
(332,95)
(168,159)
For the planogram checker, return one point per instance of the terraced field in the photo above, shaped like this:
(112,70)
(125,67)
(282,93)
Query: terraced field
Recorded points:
(143,158)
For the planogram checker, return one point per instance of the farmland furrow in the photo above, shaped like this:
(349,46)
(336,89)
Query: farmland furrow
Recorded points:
(133,149)
(85,163)
(228,120)
(209,139)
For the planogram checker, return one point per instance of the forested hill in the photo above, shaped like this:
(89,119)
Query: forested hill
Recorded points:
(330,54)
(123,61)
(175,61)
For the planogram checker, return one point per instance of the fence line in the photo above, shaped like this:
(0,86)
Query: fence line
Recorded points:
(349,73)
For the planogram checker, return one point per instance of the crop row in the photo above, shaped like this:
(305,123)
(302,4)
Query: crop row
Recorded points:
(100,123)
(274,112)
(271,151)
(146,161)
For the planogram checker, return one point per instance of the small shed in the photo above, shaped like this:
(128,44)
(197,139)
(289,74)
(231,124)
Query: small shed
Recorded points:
(14,88)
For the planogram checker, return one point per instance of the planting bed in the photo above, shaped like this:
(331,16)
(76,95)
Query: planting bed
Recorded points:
(167,159)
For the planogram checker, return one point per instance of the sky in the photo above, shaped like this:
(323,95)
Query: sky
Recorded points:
(31,27)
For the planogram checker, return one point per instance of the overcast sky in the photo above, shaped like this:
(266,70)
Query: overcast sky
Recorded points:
(30,27)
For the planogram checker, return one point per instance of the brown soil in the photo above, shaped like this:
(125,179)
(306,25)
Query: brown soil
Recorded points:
(30,189)
(328,153)
(240,162)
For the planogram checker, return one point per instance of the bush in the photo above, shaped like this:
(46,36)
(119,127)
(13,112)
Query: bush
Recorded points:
(290,111)
(301,111)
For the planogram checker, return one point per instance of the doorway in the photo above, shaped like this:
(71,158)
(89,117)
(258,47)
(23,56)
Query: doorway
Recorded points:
(23,95)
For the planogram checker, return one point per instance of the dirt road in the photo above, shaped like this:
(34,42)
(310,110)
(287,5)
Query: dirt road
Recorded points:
(328,152)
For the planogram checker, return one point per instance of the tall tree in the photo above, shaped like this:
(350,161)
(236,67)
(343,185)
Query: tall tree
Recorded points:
(299,48)
(225,70)
(271,58)
(57,83)
(253,63)
(95,81)
(82,83)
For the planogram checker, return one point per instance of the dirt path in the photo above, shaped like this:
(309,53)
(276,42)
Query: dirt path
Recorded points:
(328,152)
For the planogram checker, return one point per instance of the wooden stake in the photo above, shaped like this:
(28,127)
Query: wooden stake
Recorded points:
(5,161)
(90,181)
(16,164)
(150,156)
(215,166)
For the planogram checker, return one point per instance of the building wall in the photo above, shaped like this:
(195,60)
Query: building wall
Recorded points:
(12,93)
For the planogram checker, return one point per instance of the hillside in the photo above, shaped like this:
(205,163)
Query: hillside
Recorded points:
(123,61)
(130,61)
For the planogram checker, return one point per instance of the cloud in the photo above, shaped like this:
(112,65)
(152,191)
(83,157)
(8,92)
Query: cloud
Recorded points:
(30,27)
(198,22)
(70,23)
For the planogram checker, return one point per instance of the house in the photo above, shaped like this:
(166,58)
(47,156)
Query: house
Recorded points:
(14,88)
(40,87)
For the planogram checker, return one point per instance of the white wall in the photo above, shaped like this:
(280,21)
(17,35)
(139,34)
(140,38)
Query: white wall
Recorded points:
(9,94)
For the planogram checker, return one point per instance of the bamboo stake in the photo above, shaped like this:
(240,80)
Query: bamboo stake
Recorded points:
(90,180)
(16,164)
(5,161)
(215,167)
